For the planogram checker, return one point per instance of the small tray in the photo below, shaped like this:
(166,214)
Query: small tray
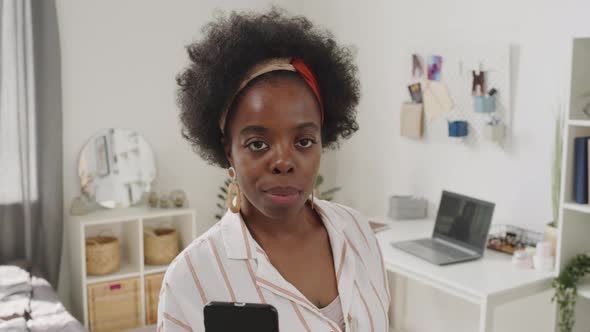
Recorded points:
(508,238)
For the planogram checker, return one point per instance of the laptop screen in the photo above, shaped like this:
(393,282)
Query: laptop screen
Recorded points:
(463,220)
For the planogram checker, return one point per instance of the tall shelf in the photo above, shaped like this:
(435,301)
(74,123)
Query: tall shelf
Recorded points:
(128,226)
(574,225)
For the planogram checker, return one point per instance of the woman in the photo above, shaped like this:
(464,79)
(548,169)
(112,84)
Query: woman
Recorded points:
(263,96)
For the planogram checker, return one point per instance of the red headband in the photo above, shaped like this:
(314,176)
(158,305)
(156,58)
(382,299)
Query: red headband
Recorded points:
(309,77)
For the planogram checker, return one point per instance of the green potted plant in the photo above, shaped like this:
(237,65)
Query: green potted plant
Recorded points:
(566,290)
(326,195)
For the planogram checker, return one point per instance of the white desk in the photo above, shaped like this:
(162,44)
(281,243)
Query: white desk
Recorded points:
(488,282)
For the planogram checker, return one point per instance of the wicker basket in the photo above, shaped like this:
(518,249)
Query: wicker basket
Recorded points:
(153,284)
(114,306)
(160,245)
(103,255)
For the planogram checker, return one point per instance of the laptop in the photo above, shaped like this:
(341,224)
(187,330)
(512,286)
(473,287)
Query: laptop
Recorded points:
(460,231)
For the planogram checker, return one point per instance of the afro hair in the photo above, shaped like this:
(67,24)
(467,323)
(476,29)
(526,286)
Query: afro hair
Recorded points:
(232,45)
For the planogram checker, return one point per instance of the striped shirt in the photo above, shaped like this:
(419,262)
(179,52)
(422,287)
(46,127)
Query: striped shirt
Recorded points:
(227,264)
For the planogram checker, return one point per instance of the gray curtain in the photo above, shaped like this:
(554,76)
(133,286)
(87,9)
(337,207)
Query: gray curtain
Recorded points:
(31,207)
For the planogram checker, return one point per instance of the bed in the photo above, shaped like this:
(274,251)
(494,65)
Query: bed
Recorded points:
(29,303)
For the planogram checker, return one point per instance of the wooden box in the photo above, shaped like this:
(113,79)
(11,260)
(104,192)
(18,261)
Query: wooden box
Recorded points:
(153,284)
(115,305)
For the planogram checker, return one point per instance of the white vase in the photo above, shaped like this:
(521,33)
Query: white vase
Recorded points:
(550,235)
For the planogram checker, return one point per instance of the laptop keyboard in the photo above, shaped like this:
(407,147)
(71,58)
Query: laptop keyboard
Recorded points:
(442,249)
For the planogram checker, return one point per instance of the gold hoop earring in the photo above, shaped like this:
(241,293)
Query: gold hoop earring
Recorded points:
(234,192)
(312,206)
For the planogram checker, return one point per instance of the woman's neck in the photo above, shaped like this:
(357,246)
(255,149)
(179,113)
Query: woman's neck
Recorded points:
(283,227)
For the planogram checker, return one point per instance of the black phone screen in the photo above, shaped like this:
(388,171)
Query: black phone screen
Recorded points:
(229,316)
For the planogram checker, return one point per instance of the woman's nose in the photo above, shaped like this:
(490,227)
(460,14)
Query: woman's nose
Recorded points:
(283,160)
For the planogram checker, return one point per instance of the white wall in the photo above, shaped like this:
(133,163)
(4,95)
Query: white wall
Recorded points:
(377,162)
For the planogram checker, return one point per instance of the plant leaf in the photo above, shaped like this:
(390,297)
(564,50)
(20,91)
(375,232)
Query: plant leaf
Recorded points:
(319,180)
(566,290)
(331,191)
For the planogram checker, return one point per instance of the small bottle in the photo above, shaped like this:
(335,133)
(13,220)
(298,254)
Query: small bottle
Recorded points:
(164,200)
(153,199)
(178,198)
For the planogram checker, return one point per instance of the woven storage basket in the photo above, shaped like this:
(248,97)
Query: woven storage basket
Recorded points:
(160,245)
(153,284)
(103,255)
(114,305)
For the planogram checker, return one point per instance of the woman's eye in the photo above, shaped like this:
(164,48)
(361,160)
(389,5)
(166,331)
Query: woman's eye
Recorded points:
(306,143)
(257,146)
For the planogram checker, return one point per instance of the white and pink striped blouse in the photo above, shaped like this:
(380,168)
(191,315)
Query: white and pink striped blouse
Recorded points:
(227,264)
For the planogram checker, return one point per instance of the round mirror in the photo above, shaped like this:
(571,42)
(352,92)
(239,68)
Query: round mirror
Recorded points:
(116,167)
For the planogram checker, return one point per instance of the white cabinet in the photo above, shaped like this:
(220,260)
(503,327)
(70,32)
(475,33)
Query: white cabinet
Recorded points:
(127,225)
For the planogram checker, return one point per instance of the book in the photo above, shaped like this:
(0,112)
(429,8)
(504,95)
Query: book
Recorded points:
(581,170)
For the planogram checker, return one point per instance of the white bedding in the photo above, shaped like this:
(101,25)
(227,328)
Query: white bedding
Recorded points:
(32,304)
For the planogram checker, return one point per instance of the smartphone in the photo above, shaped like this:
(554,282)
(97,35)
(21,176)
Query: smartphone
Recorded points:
(239,316)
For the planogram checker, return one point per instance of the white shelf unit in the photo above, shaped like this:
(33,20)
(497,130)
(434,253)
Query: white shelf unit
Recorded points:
(574,224)
(579,123)
(127,225)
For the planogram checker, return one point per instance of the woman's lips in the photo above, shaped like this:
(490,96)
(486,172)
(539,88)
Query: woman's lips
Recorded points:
(282,195)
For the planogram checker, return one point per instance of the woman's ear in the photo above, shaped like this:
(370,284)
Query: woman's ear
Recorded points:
(227,149)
